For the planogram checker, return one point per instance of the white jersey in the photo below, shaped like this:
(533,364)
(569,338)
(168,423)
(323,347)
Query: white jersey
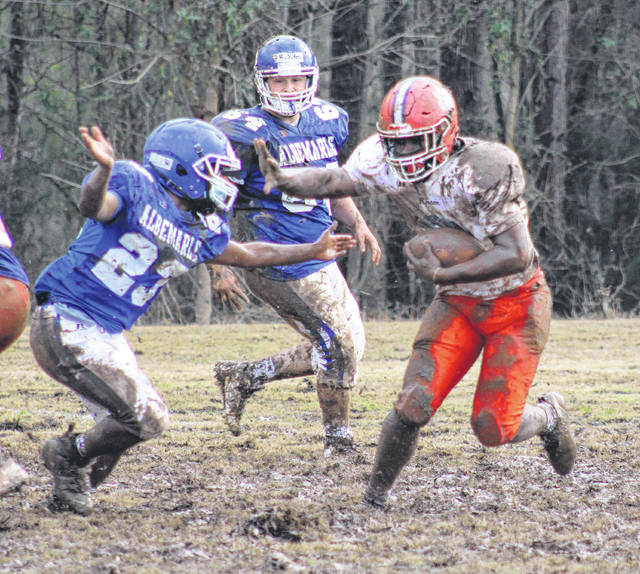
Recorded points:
(479,189)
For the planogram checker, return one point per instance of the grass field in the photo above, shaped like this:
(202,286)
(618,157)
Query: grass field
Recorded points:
(201,500)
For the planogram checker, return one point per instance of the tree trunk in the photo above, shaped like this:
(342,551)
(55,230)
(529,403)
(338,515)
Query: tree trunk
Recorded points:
(15,87)
(203,305)
(556,81)
(511,87)
(480,107)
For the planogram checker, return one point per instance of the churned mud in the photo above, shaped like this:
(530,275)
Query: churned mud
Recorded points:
(201,500)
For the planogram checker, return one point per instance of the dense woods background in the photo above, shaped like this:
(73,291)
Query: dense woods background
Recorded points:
(557,80)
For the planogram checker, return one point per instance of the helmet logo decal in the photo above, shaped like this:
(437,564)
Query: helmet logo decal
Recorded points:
(287,57)
(289,63)
(161,161)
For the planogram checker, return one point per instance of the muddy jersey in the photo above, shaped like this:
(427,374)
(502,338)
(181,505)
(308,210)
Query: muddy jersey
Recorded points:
(114,270)
(478,190)
(278,218)
(9,265)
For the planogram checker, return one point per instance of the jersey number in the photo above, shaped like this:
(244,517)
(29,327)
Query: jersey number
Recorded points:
(119,265)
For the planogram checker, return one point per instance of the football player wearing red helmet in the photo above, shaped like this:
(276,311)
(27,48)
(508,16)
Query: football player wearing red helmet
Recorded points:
(496,304)
(14,313)
(313,297)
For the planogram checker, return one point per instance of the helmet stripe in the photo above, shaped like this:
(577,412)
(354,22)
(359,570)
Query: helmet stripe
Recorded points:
(399,101)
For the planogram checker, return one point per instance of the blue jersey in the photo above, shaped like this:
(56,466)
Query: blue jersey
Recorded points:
(278,218)
(114,270)
(9,265)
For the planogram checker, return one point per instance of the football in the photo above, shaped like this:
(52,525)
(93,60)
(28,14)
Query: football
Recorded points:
(451,246)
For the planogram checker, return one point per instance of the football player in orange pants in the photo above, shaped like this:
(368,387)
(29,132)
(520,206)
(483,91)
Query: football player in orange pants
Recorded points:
(497,302)
(14,313)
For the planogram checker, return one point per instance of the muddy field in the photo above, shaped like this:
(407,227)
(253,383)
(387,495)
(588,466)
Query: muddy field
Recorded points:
(201,500)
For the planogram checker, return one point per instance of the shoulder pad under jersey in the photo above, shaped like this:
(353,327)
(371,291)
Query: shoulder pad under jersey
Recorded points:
(243,126)
(491,162)
(130,179)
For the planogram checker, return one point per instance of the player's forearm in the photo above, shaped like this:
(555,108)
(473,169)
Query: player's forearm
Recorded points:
(318,183)
(346,212)
(270,254)
(94,192)
(262,254)
(496,262)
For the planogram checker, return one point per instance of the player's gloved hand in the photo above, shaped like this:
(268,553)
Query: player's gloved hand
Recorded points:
(268,166)
(424,264)
(226,288)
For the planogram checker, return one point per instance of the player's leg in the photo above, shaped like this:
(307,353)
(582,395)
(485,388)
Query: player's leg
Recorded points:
(336,364)
(517,328)
(14,314)
(321,308)
(102,369)
(238,380)
(444,349)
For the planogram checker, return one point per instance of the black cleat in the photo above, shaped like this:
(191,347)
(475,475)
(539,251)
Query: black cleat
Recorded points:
(70,481)
(559,442)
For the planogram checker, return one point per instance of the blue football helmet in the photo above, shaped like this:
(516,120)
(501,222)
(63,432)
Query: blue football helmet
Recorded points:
(189,157)
(285,56)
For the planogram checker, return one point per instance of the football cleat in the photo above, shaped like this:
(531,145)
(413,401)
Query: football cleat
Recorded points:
(374,497)
(12,475)
(559,442)
(236,386)
(70,481)
(338,440)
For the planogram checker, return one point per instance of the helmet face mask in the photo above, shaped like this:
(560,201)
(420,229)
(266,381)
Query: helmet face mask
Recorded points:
(221,192)
(284,56)
(418,126)
(190,157)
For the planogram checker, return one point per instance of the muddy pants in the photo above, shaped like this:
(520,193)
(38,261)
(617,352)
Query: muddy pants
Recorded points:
(324,311)
(101,367)
(512,330)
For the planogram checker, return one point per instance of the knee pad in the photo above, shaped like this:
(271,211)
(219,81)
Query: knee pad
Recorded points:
(413,405)
(489,429)
(155,420)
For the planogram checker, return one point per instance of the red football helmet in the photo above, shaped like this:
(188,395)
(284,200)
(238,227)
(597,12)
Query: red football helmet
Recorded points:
(418,126)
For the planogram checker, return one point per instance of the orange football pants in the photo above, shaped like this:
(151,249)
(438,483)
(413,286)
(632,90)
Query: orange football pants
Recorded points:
(512,330)
(14,310)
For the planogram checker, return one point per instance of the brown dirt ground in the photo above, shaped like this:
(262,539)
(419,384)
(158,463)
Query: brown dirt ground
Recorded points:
(200,500)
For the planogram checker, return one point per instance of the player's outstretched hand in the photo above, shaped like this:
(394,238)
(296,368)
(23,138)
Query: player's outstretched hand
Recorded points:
(98,145)
(268,165)
(227,289)
(423,264)
(331,246)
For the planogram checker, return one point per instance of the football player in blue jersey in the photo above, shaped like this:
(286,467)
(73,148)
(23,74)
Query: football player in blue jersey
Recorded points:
(14,313)
(145,224)
(312,296)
